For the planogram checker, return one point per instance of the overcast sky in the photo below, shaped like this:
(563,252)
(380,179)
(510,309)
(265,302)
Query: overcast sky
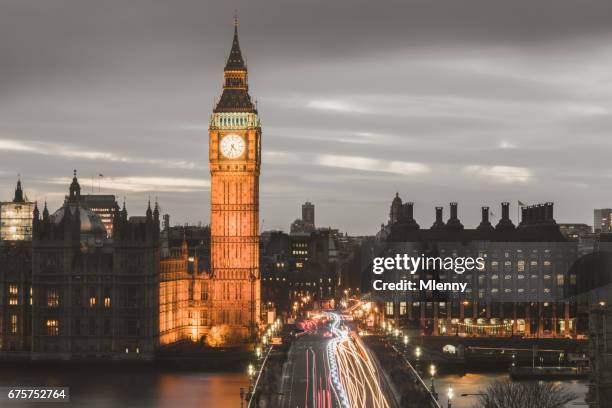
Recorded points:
(472,101)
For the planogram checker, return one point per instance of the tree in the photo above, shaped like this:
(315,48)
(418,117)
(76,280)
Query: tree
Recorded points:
(508,394)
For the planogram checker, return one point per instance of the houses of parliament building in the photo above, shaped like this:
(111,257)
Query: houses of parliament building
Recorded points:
(89,281)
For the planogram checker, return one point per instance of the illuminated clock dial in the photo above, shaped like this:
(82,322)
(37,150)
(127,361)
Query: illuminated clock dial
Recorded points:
(232,146)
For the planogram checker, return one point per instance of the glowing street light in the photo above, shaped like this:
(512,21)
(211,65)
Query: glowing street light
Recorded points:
(417,352)
(432,372)
(406,340)
(251,370)
(258,352)
(449,394)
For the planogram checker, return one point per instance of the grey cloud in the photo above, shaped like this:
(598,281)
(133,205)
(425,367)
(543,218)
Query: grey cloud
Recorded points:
(443,84)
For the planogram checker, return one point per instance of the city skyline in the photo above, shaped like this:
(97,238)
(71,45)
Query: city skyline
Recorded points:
(501,111)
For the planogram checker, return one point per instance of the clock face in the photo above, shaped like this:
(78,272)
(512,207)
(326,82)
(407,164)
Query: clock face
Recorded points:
(232,146)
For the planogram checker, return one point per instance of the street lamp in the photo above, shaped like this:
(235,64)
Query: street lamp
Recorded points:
(449,394)
(406,340)
(258,352)
(432,372)
(251,370)
(417,352)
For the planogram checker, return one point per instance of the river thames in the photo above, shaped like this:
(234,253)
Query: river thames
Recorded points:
(104,387)
(119,388)
(473,383)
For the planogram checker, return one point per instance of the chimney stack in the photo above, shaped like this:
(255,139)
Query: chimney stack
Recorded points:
(505,210)
(438,223)
(453,221)
(485,215)
(505,222)
(485,224)
(453,211)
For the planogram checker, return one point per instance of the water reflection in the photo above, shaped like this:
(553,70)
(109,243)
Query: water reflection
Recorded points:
(119,388)
(474,383)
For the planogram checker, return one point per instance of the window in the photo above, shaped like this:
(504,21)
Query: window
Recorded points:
(92,297)
(14,329)
(92,326)
(52,327)
(52,298)
(560,280)
(13,295)
(403,308)
(76,296)
(389,308)
(107,302)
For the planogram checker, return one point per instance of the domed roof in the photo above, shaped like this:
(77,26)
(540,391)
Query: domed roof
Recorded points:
(90,221)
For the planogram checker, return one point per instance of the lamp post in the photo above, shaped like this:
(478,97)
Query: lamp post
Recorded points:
(417,353)
(432,372)
(449,394)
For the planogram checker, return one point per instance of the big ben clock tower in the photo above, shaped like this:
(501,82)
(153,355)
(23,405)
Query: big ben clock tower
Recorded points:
(235,157)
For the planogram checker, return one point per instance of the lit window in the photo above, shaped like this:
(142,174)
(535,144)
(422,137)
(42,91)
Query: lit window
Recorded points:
(107,301)
(52,328)
(560,280)
(389,308)
(14,329)
(92,301)
(52,298)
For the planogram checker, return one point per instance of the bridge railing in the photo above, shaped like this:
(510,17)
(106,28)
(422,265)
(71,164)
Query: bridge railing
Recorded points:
(418,379)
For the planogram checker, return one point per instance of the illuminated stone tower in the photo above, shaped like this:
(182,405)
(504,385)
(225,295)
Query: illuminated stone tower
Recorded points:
(235,157)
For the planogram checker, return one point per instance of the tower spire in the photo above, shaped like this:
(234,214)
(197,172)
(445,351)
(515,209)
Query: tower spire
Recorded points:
(235,60)
(75,188)
(18,192)
(235,96)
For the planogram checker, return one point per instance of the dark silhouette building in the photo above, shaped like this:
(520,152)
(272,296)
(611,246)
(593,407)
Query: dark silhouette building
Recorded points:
(522,289)
(92,296)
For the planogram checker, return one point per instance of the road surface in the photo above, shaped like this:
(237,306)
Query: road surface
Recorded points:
(329,367)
